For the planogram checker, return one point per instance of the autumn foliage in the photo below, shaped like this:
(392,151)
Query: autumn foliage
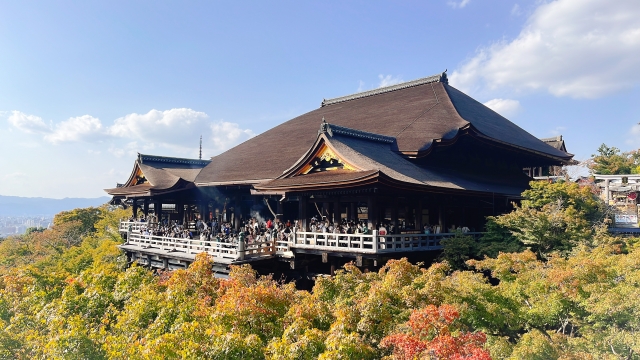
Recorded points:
(433,334)
(67,293)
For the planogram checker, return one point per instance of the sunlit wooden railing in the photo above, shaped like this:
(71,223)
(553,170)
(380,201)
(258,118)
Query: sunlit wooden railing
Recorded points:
(285,244)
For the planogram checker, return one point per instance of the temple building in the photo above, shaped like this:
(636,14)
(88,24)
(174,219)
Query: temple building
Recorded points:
(412,162)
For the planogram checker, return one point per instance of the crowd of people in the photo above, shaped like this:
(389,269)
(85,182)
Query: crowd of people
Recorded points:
(255,230)
(252,231)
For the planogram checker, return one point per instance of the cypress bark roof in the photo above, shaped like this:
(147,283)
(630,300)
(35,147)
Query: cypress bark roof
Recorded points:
(375,161)
(417,114)
(157,174)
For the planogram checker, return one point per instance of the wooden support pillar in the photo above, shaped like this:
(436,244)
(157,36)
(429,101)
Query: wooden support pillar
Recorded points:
(135,208)
(419,215)
(145,207)
(302,213)
(394,215)
(236,212)
(279,210)
(202,210)
(157,209)
(353,213)
(165,263)
(325,211)
(337,211)
(440,217)
(180,210)
(372,212)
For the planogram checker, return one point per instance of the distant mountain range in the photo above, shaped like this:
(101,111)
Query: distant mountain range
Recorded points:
(26,206)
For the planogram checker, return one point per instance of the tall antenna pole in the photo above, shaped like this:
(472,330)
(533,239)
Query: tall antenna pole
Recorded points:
(200,147)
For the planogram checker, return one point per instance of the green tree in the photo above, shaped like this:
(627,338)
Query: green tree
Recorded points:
(458,249)
(610,161)
(87,217)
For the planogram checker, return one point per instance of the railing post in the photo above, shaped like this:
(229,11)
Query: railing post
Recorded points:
(374,241)
(295,238)
(241,249)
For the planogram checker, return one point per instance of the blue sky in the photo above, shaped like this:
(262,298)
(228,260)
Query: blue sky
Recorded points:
(86,85)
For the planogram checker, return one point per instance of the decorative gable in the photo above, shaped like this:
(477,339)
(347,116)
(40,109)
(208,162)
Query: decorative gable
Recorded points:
(324,159)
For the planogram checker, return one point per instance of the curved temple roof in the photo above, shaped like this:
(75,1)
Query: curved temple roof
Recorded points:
(417,114)
(373,159)
(161,174)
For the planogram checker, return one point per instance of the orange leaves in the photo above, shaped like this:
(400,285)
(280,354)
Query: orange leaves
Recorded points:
(432,331)
(431,320)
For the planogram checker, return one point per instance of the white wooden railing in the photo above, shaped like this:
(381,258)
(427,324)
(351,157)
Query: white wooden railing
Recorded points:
(220,249)
(373,243)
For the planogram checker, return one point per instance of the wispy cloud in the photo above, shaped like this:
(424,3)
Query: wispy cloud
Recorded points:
(516,10)
(633,135)
(458,4)
(505,107)
(31,124)
(558,130)
(388,80)
(14,175)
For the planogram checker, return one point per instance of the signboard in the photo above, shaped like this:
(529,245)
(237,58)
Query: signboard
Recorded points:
(625,219)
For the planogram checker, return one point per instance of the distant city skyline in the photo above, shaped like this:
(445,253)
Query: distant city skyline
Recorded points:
(85,86)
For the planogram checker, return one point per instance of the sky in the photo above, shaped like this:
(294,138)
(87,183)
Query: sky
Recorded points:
(85,86)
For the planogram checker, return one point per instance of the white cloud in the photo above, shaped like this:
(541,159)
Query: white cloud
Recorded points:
(458,4)
(388,80)
(28,123)
(75,129)
(505,107)
(14,175)
(633,137)
(558,130)
(178,129)
(172,128)
(361,87)
(515,10)
(131,149)
(576,48)
(226,134)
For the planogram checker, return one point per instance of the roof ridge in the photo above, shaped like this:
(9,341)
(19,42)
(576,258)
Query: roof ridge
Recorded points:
(442,77)
(173,160)
(332,129)
(555,138)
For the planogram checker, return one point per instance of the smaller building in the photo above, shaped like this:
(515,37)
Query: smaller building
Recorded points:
(621,192)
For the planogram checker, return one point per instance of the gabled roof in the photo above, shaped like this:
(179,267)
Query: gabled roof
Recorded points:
(157,174)
(418,115)
(556,142)
(373,160)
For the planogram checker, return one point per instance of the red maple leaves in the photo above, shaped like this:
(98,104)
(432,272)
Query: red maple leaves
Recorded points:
(434,336)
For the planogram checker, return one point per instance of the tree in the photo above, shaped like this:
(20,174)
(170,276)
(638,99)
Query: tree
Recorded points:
(86,216)
(552,217)
(610,161)
(434,334)
(458,249)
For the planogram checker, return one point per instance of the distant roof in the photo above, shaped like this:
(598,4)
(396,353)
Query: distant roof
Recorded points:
(418,114)
(557,142)
(161,174)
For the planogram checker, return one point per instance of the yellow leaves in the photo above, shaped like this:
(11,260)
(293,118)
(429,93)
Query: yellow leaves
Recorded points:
(506,266)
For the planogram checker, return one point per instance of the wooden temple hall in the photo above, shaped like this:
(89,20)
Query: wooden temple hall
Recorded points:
(366,177)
